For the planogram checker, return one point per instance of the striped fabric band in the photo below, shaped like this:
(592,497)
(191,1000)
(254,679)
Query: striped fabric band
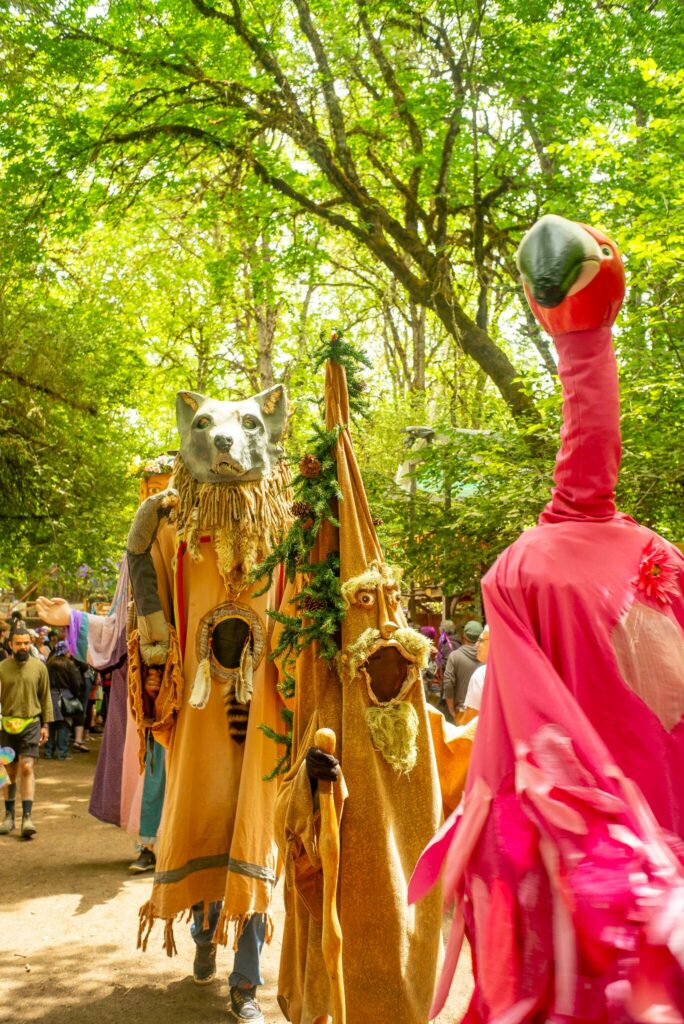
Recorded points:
(219,860)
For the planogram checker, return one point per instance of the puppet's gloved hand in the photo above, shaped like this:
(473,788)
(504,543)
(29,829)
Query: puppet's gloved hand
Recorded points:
(154,638)
(147,519)
(55,611)
(322,767)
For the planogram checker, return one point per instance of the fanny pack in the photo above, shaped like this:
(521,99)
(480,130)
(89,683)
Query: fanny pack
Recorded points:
(16,725)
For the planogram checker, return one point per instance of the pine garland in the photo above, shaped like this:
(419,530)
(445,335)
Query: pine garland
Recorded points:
(353,360)
(318,607)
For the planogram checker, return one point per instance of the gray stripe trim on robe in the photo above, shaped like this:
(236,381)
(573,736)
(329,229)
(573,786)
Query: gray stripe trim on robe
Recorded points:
(219,860)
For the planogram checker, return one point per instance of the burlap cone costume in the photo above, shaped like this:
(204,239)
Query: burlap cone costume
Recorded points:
(391,747)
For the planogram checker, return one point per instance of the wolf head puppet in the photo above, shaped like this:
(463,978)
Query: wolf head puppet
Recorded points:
(231,442)
(230,483)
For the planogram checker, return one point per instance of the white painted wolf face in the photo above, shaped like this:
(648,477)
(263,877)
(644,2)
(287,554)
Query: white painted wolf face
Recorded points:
(231,442)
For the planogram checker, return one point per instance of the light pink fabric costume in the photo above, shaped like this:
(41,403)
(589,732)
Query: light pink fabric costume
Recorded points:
(564,861)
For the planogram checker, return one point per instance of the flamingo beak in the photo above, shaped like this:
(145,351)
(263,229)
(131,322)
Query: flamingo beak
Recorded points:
(557,258)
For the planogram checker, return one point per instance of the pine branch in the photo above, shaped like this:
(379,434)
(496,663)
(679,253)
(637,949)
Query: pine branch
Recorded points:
(318,606)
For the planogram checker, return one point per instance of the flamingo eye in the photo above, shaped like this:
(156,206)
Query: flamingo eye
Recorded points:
(606,250)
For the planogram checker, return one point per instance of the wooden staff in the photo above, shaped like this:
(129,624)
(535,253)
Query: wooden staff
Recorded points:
(329,845)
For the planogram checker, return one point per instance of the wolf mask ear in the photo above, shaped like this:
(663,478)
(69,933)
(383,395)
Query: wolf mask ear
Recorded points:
(187,404)
(273,405)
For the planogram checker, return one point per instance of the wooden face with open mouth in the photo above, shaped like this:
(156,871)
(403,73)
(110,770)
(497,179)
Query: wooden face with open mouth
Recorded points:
(384,647)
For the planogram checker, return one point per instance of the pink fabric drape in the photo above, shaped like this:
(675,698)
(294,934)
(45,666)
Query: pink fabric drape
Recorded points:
(572,886)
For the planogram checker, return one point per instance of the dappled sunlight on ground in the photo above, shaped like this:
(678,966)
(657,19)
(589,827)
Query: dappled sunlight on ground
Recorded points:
(69,918)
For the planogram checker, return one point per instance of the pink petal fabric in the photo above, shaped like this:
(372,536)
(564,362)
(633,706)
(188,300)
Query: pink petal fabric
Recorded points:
(428,870)
(452,953)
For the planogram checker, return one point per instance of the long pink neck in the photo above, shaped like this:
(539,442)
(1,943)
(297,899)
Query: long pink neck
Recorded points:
(589,458)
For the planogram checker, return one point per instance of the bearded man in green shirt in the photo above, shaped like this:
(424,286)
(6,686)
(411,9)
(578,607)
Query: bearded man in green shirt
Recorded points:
(26,714)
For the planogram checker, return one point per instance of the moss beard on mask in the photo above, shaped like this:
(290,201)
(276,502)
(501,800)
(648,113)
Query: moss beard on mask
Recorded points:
(394,732)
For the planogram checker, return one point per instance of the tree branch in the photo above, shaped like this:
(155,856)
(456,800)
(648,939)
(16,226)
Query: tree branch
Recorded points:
(43,389)
(332,103)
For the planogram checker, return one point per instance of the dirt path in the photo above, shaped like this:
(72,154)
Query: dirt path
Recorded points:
(68,922)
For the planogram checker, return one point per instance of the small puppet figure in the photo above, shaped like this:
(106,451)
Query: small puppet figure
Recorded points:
(396,763)
(563,865)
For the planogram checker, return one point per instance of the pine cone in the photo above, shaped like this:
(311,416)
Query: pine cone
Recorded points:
(361,386)
(377,521)
(310,467)
(312,604)
(301,510)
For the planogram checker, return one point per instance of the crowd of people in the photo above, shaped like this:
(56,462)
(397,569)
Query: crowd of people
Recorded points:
(453,679)
(50,703)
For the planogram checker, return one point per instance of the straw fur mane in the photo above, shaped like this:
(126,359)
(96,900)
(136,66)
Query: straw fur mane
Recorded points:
(245,520)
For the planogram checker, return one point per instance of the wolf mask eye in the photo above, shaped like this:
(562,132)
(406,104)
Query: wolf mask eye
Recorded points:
(250,422)
(202,423)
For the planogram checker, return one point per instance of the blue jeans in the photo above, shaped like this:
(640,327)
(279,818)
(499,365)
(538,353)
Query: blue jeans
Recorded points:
(152,794)
(58,740)
(247,964)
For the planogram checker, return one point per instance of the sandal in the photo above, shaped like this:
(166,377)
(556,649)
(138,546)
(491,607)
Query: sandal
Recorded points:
(81,747)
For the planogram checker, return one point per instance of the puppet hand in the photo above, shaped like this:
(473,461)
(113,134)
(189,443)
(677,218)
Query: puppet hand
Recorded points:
(147,519)
(53,610)
(154,638)
(322,767)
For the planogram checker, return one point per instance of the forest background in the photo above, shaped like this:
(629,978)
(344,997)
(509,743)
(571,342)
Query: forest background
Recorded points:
(192,192)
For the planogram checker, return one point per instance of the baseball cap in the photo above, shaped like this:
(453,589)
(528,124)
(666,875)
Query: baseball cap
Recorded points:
(472,629)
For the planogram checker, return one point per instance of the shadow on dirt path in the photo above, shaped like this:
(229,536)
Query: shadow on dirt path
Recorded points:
(68,926)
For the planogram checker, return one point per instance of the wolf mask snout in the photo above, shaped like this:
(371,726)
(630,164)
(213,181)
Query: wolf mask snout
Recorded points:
(223,442)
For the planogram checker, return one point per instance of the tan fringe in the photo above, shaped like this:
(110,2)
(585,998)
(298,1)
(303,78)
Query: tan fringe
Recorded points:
(169,698)
(169,940)
(246,520)
(146,921)
(239,921)
(135,695)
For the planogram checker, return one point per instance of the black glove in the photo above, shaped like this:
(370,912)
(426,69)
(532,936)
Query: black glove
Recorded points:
(321,766)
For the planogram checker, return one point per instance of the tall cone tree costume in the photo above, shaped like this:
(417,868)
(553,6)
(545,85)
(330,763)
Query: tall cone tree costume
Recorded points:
(388,799)
(563,864)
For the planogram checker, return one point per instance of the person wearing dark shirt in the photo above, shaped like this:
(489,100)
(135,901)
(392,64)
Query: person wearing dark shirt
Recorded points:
(460,667)
(66,687)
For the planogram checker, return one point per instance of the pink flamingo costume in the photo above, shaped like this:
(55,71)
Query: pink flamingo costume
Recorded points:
(563,862)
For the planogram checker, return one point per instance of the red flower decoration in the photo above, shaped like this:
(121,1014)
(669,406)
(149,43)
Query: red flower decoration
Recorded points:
(657,577)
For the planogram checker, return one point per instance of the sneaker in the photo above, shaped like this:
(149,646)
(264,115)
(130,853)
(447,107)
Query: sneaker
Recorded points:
(146,861)
(204,967)
(28,829)
(244,1007)
(7,825)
